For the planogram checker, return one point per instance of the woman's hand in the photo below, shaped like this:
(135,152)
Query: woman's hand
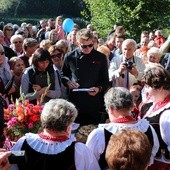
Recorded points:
(72,85)
(94,91)
(43,90)
(36,87)
(12,90)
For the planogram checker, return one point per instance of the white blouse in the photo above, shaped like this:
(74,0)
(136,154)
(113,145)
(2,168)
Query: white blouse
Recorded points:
(84,159)
(96,139)
(164,124)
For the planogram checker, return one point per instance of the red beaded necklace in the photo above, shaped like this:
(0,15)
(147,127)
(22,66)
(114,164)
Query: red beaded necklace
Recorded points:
(161,104)
(54,138)
(124,119)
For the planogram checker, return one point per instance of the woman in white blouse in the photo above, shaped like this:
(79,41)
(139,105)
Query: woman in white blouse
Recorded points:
(119,104)
(157,85)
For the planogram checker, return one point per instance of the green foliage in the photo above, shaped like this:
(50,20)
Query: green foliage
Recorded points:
(4,5)
(67,8)
(166,32)
(135,15)
(33,10)
(101,13)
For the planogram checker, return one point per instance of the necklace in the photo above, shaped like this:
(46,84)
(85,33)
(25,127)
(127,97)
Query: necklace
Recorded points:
(53,138)
(161,104)
(124,119)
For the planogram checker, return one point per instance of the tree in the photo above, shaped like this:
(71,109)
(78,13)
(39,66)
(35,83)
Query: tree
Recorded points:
(135,15)
(16,8)
(5,5)
(50,8)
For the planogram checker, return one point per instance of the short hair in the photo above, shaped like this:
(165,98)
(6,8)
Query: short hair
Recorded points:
(136,86)
(156,76)
(44,43)
(158,32)
(103,49)
(130,41)
(111,36)
(84,34)
(156,51)
(29,42)
(20,31)
(40,54)
(120,35)
(118,98)
(55,48)
(15,28)
(13,60)
(144,34)
(24,24)
(16,36)
(120,29)
(58,114)
(6,27)
(128,149)
(144,39)
(51,32)
(63,45)
(50,19)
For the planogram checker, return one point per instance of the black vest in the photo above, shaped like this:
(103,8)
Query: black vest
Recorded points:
(102,161)
(154,121)
(40,161)
(41,78)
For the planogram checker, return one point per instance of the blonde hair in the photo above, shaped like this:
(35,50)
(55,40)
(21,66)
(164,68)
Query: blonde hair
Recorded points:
(103,49)
(63,45)
(45,44)
(155,51)
(84,34)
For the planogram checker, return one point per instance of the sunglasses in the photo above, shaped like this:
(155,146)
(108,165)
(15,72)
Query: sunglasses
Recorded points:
(2,53)
(86,46)
(56,55)
(9,29)
(16,42)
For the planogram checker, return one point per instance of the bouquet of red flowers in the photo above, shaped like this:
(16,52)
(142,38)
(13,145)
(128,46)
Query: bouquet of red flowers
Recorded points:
(21,118)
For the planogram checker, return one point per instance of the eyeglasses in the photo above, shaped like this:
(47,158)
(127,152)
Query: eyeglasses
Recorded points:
(2,53)
(16,42)
(56,55)
(86,46)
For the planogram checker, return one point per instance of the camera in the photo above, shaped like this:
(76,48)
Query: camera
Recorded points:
(129,65)
(17,157)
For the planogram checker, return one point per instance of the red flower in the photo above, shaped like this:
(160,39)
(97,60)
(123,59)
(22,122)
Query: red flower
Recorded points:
(22,118)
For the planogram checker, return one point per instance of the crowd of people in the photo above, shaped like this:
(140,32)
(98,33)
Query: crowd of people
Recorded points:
(117,84)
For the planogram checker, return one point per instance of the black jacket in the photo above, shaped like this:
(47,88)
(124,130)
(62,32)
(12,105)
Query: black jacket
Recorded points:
(88,71)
